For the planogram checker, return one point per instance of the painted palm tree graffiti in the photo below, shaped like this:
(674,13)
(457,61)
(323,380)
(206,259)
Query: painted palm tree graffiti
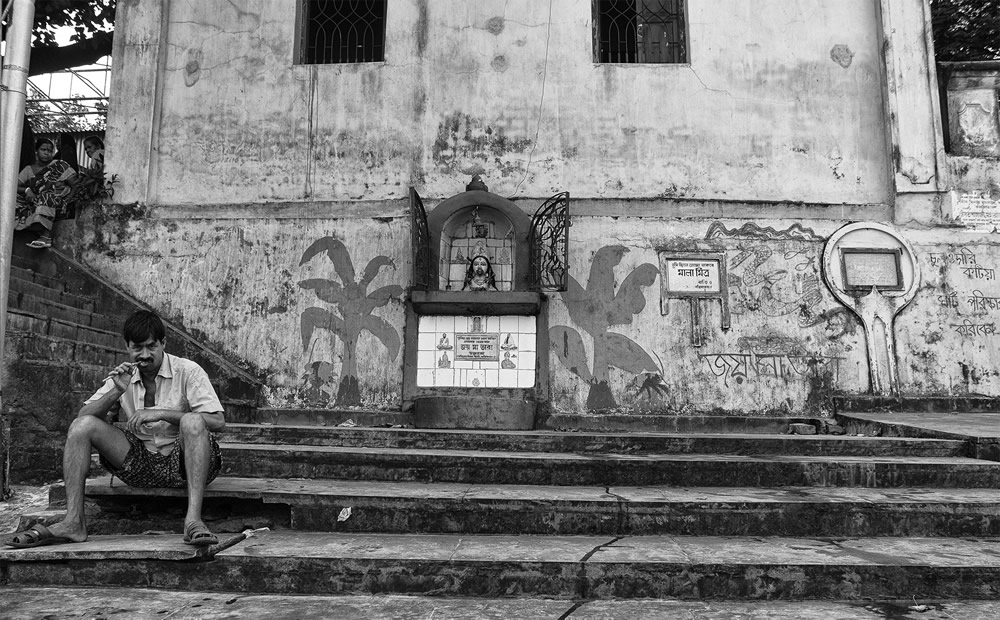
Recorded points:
(354,304)
(596,309)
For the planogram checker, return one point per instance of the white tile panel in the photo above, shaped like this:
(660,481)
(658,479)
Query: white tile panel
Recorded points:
(525,378)
(425,377)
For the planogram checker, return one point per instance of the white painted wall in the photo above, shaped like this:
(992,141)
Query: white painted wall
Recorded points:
(782,101)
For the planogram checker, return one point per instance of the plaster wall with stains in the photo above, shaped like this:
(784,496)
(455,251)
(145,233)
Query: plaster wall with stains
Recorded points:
(790,345)
(948,329)
(237,283)
(249,159)
(972,96)
(775,105)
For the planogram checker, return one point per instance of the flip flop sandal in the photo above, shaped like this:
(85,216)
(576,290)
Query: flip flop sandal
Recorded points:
(36,536)
(197,533)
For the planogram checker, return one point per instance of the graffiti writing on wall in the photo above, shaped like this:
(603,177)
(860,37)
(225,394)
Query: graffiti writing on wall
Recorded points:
(964,256)
(971,330)
(355,305)
(979,272)
(774,356)
(977,301)
(595,309)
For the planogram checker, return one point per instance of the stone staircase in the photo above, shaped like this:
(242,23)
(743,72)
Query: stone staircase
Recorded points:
(699,508)
(64,332)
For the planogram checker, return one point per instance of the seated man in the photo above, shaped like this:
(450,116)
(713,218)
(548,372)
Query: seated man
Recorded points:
(171,411)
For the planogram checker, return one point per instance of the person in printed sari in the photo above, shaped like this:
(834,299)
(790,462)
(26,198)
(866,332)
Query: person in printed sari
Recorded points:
(43,193)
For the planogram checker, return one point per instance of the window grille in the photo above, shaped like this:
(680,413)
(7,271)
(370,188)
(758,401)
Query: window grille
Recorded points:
(640,31)
(343,31)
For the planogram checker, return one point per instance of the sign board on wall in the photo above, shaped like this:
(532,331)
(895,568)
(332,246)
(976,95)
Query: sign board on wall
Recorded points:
(692,276)
(865,268)
(477,347)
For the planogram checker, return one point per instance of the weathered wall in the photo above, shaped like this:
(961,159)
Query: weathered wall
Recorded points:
(256,287)
(789,346)
(270,291)
(271,197)
(949,329)
(781,102)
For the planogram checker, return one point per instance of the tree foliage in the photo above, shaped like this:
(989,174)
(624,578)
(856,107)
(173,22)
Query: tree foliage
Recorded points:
(92,22)
(66,117)
(966,29)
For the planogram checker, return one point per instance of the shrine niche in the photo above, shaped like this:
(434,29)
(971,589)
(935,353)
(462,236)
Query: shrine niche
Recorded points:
(474,255)
(476,313)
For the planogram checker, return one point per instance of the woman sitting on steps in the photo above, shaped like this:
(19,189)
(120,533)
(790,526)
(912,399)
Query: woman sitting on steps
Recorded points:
(43,192)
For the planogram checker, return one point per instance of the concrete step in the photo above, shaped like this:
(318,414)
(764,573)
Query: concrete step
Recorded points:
(639,422)
(565,567)
(506,467)
(39,306)
(981,430)
(19,320)
(29,272)
(46,290)
(944,404)
(323,417)
(149,604)
(37,346)
(588,442)
(235,504)
(306,416)
(81,379)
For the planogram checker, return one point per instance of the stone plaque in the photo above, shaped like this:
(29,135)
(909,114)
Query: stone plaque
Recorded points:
(477,347)
(864,268)
(692,276)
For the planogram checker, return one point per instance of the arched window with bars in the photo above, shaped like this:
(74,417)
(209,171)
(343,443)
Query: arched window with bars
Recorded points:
(342,31)
(640,31)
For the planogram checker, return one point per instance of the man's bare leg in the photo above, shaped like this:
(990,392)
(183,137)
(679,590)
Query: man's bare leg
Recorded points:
(86,434)
(197,462)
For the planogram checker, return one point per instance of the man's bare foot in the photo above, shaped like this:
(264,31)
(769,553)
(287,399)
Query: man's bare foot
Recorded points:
(39,535)
(71,531)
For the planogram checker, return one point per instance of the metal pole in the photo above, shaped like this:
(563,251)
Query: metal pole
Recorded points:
(13,82)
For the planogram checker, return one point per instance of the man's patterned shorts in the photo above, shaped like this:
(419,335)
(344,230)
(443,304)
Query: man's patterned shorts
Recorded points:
(143,468)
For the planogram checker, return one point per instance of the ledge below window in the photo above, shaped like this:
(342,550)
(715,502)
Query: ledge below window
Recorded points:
(469,303)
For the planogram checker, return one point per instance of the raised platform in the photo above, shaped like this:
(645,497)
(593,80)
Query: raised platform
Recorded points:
(575,567)
(149,604)
(577,516)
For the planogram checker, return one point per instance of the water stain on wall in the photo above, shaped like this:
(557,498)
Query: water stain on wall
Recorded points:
(842,55)
(463,139)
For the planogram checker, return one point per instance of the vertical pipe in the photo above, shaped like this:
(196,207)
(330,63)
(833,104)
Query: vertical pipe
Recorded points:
(14,80)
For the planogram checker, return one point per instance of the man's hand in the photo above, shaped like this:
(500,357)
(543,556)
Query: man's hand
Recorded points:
(141,417)
(121,375)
